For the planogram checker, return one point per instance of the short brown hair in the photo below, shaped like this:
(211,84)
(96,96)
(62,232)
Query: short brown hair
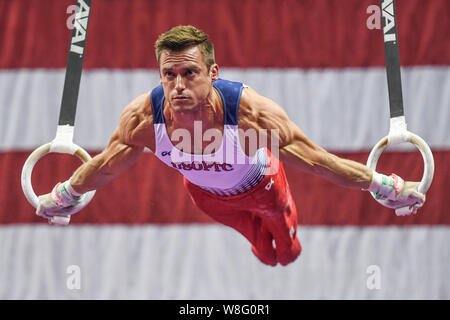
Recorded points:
(182,37)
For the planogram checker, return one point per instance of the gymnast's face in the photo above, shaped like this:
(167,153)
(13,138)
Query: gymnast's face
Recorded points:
(186,81)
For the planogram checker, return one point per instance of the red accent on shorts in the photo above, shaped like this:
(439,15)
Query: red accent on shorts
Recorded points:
(260,214)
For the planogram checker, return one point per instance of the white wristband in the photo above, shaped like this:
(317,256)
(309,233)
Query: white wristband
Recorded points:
(386,187)
(70,189)
(377,181)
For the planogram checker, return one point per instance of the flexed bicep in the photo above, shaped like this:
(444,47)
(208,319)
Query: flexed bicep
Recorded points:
(119,155)
(116,158)
(124,148)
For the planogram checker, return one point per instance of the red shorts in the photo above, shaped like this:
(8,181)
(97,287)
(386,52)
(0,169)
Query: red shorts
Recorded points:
(263,214)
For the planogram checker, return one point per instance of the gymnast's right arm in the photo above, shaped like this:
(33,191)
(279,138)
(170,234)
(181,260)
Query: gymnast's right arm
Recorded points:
(124,148)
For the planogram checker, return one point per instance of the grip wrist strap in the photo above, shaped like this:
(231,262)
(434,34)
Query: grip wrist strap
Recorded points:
(385,187)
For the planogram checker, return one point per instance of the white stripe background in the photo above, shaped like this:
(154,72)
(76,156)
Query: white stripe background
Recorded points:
(342,110)
(212,262)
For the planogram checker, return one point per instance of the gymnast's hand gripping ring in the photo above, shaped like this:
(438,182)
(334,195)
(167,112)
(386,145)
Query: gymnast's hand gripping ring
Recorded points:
(61,144)
(399,134)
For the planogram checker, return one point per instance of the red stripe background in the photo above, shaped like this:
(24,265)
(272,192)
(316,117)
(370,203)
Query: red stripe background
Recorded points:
(151,192)
(251,33)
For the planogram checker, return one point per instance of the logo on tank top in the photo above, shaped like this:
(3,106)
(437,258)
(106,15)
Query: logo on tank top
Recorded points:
(203,166)
(269,185)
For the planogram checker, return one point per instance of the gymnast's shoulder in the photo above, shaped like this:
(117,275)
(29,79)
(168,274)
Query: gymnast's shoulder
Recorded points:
(136,122)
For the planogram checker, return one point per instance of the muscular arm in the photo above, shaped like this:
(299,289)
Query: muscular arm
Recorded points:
(303,154)
(296,149)
(124,148)
(104,167)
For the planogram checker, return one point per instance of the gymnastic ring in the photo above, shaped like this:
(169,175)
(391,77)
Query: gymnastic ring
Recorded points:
(34,157)
(423,147)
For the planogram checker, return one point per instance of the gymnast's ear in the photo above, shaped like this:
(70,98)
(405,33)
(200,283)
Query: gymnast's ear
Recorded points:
(214,72)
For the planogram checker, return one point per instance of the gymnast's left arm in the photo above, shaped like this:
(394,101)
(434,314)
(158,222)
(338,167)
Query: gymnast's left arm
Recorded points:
(298,151)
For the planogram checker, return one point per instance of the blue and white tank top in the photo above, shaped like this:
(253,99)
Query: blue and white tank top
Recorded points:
(228,171)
